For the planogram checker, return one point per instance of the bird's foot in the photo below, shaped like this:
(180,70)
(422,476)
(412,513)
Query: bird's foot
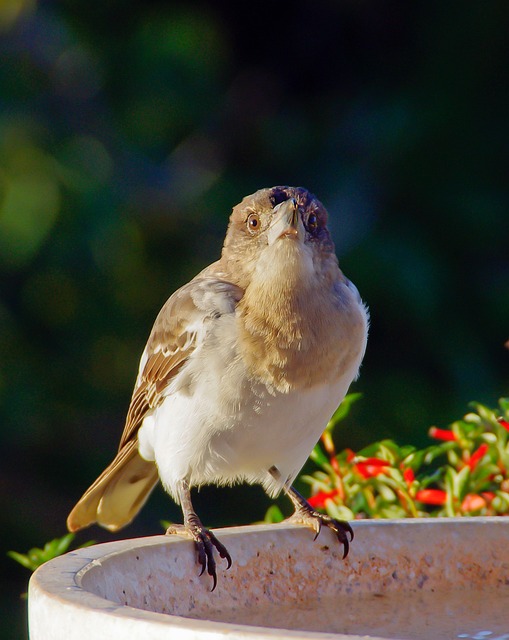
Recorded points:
(305,514)
(205,542)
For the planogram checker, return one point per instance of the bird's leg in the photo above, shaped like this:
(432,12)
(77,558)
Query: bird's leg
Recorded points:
(305,514)
(204,540)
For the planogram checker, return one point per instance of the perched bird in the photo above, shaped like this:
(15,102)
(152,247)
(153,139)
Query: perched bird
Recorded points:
(243,369)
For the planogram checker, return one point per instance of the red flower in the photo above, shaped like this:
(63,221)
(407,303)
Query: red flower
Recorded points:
(350,455)
(431,496)
(473,502)
(408,476)
(441,434)
(477,456)
(504,423)
(318,500)
(371,467)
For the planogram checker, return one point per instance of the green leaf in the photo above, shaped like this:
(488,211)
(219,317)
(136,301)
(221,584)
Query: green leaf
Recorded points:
(58,546)
(392,511)
(501,502)
(386,493)
(504,405)
(23,560)
(406,450)
(340,512)
(385,450)
(318,456)
(488,416)
(431,479)
(273,515)
(33,558)
(456,482)
(436,450)
(343,410)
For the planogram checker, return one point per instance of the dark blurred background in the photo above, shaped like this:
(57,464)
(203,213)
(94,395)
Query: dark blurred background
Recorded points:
(128,130)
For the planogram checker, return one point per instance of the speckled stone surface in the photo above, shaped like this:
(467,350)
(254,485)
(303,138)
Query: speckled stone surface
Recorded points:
(149,588)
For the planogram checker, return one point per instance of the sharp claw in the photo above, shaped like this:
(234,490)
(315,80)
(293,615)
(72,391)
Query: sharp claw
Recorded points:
(202,556)
(346,547)
(223,552)
(211,569)
(346,528)
(342,529)
(228,559)
(205,542)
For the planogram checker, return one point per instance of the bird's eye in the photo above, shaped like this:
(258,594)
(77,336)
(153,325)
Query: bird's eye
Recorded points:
(312,222)
(253,222)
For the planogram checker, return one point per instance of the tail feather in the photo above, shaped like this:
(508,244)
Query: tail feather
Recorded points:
(118,493)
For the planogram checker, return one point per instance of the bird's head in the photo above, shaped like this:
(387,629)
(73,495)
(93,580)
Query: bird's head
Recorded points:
(274,230)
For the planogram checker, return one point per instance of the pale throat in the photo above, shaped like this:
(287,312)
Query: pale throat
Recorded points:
(289,323)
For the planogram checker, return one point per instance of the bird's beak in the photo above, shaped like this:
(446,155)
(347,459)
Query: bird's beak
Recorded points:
(286,222)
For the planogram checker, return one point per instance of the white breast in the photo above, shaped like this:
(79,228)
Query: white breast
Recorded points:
(218,426)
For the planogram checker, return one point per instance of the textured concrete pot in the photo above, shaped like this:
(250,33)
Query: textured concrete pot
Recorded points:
(408,579)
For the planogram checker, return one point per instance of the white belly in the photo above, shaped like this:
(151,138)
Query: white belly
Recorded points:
(216,425)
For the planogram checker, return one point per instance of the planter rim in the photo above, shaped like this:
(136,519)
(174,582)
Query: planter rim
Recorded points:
(61,584)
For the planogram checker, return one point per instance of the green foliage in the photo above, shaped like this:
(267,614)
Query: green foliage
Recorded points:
(33,558)
(465,471)
(273,515)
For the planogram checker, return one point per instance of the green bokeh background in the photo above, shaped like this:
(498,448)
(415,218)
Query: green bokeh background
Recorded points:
(128,130)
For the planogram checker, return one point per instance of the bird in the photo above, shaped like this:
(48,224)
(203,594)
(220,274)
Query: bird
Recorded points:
(243,368)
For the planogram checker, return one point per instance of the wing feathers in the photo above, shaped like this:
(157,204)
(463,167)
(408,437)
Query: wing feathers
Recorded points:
(117,494)
(120,491)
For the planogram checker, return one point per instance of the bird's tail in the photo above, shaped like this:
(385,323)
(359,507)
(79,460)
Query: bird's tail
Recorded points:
(118,493)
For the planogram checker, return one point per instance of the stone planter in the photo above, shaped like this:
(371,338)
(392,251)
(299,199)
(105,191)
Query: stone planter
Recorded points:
(408,579)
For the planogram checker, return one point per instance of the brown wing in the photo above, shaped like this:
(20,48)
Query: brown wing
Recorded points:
(123,487)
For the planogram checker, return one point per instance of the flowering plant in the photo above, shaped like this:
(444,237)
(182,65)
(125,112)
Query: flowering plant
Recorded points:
(464,472)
